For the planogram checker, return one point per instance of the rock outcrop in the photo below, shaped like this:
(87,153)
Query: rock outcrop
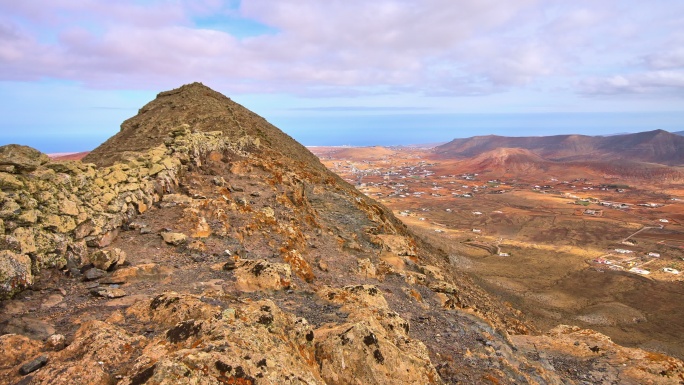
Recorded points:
(51,209)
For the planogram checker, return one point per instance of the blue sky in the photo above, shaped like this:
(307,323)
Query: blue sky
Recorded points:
(346,72)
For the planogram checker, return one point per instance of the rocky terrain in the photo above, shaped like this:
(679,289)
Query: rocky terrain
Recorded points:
(203,245)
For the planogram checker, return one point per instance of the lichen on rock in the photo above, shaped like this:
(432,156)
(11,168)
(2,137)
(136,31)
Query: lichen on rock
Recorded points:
(15,273)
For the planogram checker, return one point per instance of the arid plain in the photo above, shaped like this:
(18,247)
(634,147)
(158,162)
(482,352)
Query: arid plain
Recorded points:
(579,243)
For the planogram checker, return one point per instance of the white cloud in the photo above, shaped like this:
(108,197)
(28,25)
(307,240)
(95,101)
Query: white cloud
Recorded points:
(332,47)
(666,60)
(649,82)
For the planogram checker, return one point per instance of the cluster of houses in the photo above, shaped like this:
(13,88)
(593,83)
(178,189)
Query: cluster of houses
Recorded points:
(615,205)
(651,205)
(593,213)
(417,176)
(633,264)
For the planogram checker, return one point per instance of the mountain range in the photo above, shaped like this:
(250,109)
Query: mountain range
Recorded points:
(656,146)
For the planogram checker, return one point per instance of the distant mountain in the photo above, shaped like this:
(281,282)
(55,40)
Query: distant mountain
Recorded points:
(69,155)
(651,147)
(508,158)
(679,133)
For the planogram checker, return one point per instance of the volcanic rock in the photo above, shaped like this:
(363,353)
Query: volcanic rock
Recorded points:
(33,365)
(21,158)
(15,273)
(106,259)
(107,292)
(254,275)
(174,238)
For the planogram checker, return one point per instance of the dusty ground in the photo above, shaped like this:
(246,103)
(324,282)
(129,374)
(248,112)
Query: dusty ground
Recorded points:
(549,272)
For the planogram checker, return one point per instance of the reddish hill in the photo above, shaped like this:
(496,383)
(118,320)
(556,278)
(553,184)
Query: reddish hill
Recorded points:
(71,156)
(501,159)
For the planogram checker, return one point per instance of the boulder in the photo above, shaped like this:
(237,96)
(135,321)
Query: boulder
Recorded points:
(51,301)
(396,244)
(108,292)
(9,208)
(55,342)
(363,353)
(253,343)
(366,268)
(93,274)
(103,240)
(147,271)
(15,273)
(26,238)
(8,242)
(374,347)
(355,297)
(76,254)
(10,182)
(33,365)
(22,158)
(170,308)
(107,259)
(254,275)
(174,239)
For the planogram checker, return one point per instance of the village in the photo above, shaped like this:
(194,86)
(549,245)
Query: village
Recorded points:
(462,205)
(630,261)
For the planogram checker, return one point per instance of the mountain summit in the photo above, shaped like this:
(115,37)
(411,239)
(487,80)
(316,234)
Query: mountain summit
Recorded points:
(200,109)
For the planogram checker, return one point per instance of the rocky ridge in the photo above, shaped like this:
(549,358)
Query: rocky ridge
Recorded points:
(209,254)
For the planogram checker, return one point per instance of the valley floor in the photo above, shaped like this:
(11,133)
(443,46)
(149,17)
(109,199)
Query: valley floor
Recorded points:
(570,247)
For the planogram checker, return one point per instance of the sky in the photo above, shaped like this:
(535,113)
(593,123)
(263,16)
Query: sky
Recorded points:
(346,72)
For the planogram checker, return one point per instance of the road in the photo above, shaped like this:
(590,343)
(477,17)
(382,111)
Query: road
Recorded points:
(642,229)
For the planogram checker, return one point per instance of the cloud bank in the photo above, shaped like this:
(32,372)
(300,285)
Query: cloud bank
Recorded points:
(333,48)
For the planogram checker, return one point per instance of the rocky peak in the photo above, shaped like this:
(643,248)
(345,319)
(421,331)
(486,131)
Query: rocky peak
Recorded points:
(199,109)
